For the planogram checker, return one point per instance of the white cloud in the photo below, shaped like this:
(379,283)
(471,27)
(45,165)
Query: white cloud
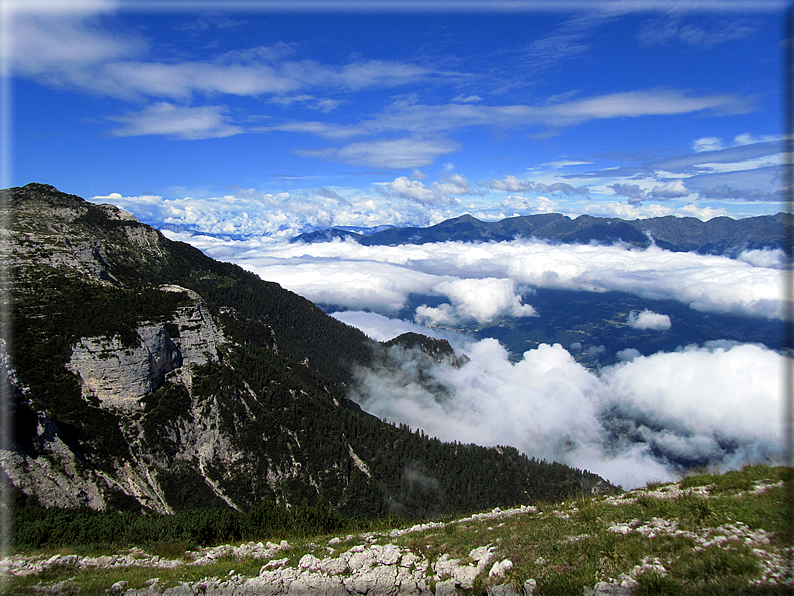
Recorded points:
(483,300)
(68,47)
(639,420)
(184,122)
(565,163)
(659,32)
(418,118)
(648,319)
(370,273)
(281,216)
(381,328)
(467,99)
(670,190)
(749,139)
(411,189)
(451,185)
(436,316)
(644,210)
(774,259)
(628,354)
(707,144)
(454,184)
(767,161)
(59,7)
(734,392)
(511,184)
(409,152)
(61,43)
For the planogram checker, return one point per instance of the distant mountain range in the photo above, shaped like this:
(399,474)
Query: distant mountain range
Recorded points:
(717,236)
(146,376)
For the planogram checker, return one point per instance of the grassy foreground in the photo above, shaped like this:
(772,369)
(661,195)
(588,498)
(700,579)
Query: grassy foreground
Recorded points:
(707,534)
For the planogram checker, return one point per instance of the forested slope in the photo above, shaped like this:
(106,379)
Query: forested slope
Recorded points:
(149,377)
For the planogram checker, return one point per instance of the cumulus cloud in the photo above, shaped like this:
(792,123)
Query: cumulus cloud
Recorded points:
(670,190)
(273,217)
(436,316)
(633,192)
(645,418)
(648,319)
(451,186)
(481,300)
(411,189)
(643,210)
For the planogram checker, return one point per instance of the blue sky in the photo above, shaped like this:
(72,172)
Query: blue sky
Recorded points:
(236,130)
(251,121)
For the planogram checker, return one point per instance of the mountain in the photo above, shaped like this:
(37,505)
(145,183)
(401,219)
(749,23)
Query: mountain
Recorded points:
(146,376)
(719,236)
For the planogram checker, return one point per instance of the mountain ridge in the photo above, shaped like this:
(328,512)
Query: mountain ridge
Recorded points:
(147,376)
(719,235)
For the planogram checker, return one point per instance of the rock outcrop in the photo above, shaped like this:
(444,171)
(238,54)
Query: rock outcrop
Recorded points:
(119,374)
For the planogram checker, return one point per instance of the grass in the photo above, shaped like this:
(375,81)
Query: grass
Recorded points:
(709,534)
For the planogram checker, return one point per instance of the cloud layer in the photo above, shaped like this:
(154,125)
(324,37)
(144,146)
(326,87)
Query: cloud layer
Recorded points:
(645,419)
(483,282)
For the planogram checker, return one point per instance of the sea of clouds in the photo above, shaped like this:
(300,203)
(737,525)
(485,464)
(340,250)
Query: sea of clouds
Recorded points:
(645,418)
(484,281)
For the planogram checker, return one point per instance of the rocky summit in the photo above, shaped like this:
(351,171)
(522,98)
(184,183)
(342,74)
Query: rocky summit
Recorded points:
(147,377)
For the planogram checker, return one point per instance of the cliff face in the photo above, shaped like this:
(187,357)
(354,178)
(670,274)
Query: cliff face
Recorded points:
(119,375)
(146,375)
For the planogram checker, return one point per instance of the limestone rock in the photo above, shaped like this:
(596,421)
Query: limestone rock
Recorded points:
(502,590)
(529,587)
(608,589)
(199,335)
(446,588)
(119,375)
(500,568)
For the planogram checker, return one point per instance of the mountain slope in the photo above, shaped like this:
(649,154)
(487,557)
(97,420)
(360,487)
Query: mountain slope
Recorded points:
(705,535)
(720,235)
(147,376)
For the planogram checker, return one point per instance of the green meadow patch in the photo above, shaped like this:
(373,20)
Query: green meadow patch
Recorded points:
(709,534)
